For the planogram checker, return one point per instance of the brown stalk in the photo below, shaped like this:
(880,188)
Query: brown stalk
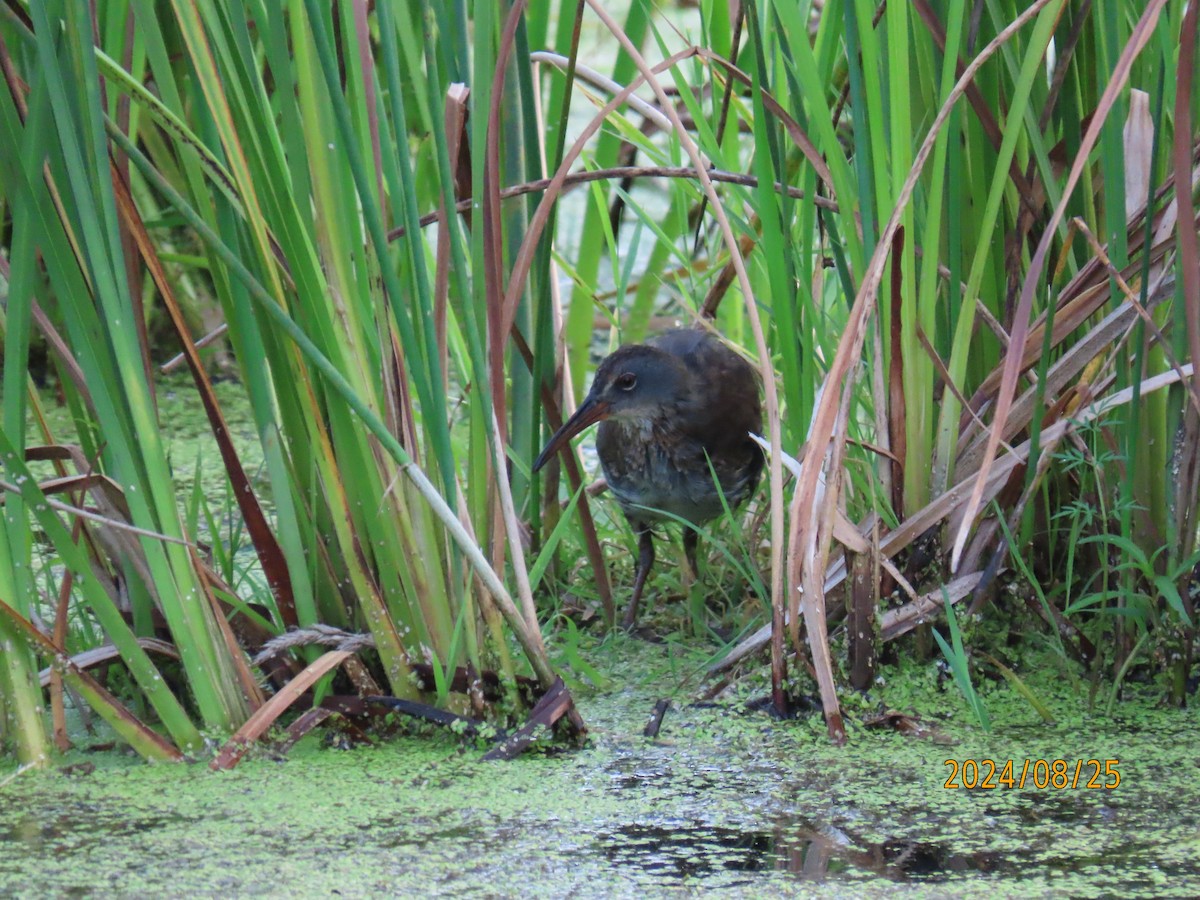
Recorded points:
(148,742)
(307,721)
(895,623)
(501,309)
(119,539)
(798,135)
(897,409)
(258,724)
(807,566)
(591,543)
(61,609)
(269,552)
(118,524)
(1187,461)
(1086,294)
(398,403)
(553,705)
(1020,327)
(805,533)
(246,678)
(1131,298)
(950,503)
(1113,327)
(947,380)
(455,117)
(519,273)
(362,42)
(133,273)
(104,655)
(764,358)
(983,113)
(501,314)
(728,274)
(738,13)
(863,577)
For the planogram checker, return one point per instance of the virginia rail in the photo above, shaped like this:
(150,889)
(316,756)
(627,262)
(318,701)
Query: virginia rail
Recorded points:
(668,410)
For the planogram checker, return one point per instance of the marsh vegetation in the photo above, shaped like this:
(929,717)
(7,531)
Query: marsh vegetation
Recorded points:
(957,241)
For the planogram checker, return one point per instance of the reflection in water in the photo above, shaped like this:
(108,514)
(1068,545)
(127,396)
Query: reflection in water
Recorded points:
(81,825)
(690,851)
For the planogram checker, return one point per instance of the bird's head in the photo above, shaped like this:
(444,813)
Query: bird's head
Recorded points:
(635,383)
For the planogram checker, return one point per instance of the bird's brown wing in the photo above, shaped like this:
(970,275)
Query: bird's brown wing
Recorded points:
(727,390)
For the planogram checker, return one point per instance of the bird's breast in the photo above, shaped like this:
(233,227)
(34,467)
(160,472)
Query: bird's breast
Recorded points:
(652,470)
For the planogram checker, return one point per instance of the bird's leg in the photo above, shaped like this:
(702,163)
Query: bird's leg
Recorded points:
(690,539)
(645,561)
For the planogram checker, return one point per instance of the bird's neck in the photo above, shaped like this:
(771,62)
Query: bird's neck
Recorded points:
(666,420)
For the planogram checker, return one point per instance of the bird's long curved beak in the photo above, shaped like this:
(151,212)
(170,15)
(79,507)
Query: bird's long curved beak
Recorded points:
(589,412)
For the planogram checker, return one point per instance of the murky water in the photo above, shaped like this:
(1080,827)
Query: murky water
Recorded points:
(722,799)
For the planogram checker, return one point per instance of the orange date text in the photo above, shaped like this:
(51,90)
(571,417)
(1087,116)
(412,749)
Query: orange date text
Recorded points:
(1041,774)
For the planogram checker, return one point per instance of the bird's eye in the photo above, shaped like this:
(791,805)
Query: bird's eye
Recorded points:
(627,381)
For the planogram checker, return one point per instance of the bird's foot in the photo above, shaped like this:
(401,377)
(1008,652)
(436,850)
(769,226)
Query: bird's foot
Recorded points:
(688,576)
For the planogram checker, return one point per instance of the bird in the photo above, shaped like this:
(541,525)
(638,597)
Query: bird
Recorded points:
(673,412)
